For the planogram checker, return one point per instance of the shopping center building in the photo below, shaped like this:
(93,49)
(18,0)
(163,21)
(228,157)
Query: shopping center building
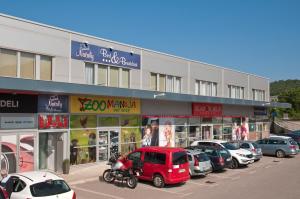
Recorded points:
(67,95)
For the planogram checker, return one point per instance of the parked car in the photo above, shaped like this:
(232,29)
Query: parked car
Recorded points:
(199,162)
(162,165)
(252,147)
(39,184)
(280,146)
(239,156)
(3,193)
(295,135)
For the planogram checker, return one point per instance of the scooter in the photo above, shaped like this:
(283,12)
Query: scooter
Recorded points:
(122,170)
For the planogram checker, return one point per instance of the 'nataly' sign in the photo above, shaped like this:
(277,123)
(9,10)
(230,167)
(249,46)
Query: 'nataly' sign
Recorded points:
(107,56)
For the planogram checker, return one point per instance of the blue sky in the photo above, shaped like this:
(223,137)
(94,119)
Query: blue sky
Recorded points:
(256,36)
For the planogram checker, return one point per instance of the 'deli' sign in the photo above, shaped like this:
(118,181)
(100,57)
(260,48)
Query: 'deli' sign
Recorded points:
(105,105)
(10,103)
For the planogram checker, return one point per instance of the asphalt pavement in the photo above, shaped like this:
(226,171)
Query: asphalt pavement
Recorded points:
(269,178)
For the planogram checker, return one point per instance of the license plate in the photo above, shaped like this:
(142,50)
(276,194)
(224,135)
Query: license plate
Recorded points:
(181,170)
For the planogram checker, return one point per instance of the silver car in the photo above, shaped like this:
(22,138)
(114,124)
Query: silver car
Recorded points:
(199,162)
(280,146)
(253,148)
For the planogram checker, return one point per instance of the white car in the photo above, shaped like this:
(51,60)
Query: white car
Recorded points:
(239,156)
(38,184)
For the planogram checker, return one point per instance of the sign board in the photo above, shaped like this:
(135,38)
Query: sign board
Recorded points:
(102,55)
(207,110)
(53,121)
(24,122)
(105,105)
(260,111)
(53,104)
(10,103)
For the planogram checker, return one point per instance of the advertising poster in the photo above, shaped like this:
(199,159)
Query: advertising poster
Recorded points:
(167,132)
(83,121)
(130,139)
(150,132)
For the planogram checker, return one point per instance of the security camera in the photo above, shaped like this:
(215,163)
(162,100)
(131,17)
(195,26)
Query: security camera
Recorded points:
(131,52)
(111,48)
(86,43)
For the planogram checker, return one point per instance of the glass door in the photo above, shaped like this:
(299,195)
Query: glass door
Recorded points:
(207,132)
(108,140)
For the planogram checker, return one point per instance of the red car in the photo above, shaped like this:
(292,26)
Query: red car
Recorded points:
(162,165)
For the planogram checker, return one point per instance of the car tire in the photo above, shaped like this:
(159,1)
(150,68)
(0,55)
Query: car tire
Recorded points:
(158,181)
(280,154)
(234,163)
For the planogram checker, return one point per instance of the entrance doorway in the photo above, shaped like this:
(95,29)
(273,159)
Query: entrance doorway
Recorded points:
(51,151)
(207,132)
(108,140)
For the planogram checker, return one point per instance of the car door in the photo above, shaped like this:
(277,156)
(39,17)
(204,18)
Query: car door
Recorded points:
(263,144)
(18,188)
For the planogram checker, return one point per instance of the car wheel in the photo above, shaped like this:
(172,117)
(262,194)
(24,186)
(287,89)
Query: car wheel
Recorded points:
(234,163)
(280,154)
(158,181)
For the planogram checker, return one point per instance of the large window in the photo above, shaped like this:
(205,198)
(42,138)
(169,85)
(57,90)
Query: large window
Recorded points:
(236,92)
(89,73)
(114,77)
(46,68)
(102,75)
(258,95)
(125,78)
(8,63)
(205,88)
(27,69)
(166,83)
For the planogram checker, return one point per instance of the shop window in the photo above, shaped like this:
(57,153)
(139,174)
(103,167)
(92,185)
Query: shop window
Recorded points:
(217,132)
(8,63)
(45,68)
(102,75)
(131,139)
(89,73)
(27,65)
(180,136)
(130,120)
(83,121)
(108,121)
(125,78)
(194,120)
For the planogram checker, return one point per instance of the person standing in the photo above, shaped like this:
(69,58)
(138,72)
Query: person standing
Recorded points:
(154,130)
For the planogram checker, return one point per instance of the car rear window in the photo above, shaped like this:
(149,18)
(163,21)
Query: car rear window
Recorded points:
(229,146)
(293,142)
(202,157)
(179,158)
(255,145)
(49,188)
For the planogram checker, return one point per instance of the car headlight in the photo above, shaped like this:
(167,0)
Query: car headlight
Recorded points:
(242,155)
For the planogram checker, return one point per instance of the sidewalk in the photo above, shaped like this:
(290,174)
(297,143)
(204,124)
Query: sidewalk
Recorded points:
(84,173)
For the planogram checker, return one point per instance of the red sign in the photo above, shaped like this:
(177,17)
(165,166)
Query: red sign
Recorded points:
(207,110)
(53,121)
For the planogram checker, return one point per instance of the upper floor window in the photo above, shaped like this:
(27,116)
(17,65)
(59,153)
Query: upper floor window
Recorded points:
(258,95)
(162,82)
(102,75)
(205,88)
(89,73)
(46,67)
(114,77)
(27,65)
(8,63)
(125,78)
(236,92)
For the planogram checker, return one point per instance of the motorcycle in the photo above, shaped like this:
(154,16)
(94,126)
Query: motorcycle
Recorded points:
(123,170)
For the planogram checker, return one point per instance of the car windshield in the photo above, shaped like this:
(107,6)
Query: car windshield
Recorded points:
(49,188)
(179,158)
(229,146)
(202,157)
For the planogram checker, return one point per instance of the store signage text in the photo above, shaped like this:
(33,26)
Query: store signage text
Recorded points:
(17,122)
(53,104)
(108,56)
(207,110)
(105,105)
(18,103)
(53,121)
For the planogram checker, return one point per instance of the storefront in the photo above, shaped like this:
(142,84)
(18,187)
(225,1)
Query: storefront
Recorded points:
(18,132)
(102,125)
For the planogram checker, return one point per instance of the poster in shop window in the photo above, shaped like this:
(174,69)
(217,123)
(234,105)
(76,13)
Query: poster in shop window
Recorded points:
(150,131)
(167,132)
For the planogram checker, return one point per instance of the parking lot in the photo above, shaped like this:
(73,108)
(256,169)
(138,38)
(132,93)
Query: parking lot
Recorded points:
(269,178)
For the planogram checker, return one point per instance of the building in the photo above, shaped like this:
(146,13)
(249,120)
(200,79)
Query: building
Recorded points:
(71,95)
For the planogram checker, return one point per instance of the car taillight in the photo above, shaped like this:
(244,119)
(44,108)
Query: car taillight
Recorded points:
(196,163)
(253,150)
(74,195)
(221,160)
(292,147)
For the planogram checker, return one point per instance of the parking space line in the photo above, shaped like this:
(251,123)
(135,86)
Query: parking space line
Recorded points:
(159,189)
(97,193)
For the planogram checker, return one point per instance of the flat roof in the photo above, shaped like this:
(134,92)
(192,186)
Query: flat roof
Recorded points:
(128,45)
